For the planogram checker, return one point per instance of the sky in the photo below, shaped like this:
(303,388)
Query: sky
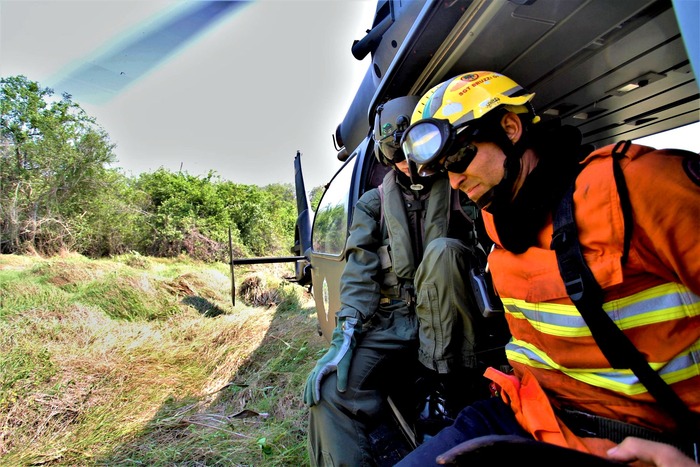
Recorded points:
(265,78)
(260,81)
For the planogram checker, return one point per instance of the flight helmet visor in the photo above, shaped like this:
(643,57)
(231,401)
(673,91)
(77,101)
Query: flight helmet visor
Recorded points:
(390,121)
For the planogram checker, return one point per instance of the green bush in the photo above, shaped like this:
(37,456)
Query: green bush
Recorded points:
(57,193)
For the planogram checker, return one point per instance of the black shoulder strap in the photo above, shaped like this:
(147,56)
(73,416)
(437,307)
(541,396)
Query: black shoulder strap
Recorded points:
(587,295)
(618,153)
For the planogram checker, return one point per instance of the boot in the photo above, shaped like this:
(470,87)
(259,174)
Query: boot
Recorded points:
(465,386)
(433,405)
(442,396)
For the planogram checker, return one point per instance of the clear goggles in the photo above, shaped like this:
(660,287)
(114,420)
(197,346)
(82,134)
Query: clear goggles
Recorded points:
(437,146)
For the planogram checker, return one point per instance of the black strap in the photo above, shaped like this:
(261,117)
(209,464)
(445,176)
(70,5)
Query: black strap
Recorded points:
(618,153)
(588,425)
(587,295)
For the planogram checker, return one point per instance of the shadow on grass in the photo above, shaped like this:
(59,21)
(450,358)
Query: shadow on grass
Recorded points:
(258,418)
(203,306)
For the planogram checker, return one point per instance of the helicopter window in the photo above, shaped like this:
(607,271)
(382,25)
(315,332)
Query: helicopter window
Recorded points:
(331,219)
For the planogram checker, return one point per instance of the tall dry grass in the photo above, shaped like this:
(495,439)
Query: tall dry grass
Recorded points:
(140,361)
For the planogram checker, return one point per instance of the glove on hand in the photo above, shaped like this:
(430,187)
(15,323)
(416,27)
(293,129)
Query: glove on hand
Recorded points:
(336,359)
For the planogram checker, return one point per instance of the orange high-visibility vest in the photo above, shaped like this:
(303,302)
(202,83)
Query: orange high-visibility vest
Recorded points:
(654,297)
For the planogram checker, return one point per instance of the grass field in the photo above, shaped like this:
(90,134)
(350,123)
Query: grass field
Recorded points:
(144,361)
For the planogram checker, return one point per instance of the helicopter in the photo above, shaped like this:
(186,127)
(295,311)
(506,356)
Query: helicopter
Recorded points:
(613,70)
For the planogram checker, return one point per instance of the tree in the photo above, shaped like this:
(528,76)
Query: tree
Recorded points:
(315,196)
(57,193)
(187,215)
(190,214)
(264,217)
(115,220)
(53,160)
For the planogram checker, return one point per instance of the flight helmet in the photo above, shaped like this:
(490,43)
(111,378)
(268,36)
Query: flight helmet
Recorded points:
(390,121)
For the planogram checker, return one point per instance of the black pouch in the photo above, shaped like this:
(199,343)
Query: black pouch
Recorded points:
(487,301)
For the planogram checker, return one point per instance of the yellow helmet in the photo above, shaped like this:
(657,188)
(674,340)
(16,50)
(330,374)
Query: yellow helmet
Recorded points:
(450,115)
(470,96)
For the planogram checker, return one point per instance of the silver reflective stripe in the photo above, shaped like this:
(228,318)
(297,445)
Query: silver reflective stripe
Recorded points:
(667,302)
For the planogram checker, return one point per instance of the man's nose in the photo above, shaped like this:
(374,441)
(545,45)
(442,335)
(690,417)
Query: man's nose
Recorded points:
(455,179)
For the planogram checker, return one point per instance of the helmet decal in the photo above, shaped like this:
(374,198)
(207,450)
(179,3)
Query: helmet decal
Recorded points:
(387,129)
(457,84)
(490,103)
(452,108)
(470,81)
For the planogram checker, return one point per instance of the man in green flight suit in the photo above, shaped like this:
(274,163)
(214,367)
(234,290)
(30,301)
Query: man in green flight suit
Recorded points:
(403,300)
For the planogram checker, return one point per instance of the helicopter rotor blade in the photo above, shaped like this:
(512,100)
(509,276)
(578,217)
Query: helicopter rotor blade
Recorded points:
(97,80)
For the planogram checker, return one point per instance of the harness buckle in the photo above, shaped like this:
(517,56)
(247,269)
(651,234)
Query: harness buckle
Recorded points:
(408,294)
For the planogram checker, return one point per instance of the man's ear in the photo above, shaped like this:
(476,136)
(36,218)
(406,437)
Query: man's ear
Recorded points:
(512,125)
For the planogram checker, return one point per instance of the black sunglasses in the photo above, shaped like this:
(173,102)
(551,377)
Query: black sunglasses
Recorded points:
(458,162)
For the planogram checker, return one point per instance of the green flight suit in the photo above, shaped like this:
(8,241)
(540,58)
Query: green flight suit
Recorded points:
(437,329)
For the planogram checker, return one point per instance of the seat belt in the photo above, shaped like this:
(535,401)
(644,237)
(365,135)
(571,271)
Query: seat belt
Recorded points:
(585,292)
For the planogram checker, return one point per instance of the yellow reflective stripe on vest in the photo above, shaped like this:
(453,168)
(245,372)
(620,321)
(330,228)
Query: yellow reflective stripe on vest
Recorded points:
(665,302)
(683,366)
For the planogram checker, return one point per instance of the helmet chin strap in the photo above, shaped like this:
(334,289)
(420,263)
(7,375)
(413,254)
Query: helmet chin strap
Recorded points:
(412,169)
(486,199)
